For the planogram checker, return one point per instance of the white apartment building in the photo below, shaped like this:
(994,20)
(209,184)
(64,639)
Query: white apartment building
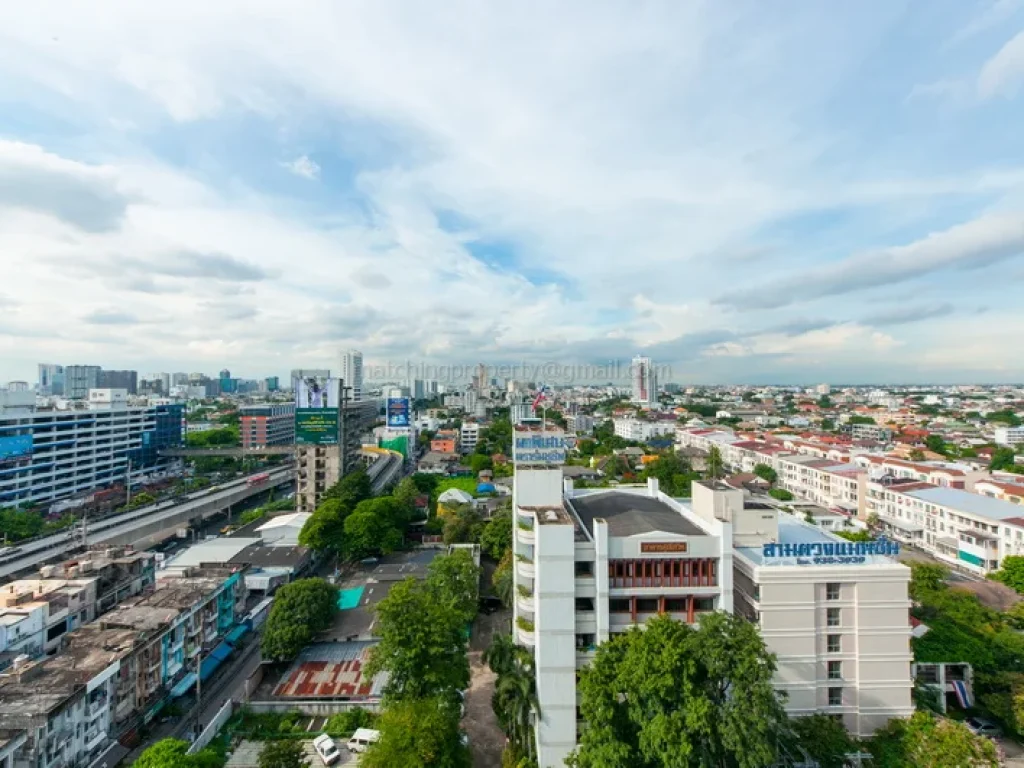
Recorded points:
(834,613)
(640,430)
(644,381)
(518,412)
(593,563)
(352,372)
(469,436)
(968,530)
(580,424)
(1010,436)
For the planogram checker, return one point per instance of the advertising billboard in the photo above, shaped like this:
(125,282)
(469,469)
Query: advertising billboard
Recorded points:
(317,392)
(398,412)
(316,426)
(15,447)
(546,447)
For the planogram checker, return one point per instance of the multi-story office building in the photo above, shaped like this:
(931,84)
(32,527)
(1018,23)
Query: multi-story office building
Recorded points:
(321,466)
(127,380)
(591,563)
(469,436)
(79,379)
(1011,436)
(51,379)
(644,382)
(352,373)
(271,384)
(53,454)
(641,430)
(268,424)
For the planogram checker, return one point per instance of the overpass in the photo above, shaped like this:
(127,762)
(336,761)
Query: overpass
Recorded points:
(386,468)
(142,527)
(270,450)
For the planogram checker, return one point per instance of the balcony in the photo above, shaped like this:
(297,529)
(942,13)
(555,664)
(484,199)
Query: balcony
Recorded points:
(524,598)
(525,534)
(524,567)
(525,631)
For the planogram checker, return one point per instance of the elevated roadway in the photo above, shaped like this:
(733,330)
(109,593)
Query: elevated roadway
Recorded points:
(144,526)
(271,450)
(386,468)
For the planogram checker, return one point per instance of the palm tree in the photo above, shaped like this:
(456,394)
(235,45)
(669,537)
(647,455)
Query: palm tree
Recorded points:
(515,699)
(501,655)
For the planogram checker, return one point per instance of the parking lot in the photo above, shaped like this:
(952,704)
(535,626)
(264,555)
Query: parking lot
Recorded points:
(247,754)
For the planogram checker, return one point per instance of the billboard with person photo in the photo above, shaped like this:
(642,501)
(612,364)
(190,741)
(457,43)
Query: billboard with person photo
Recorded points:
(317,392)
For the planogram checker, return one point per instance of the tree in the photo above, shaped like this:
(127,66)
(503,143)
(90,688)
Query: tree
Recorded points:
(286,753)
(936,444)
(827,425)
(455,579)
(916,454)
(855,535)
(173,753)
(825,739)
(417,733)
(781,494)
(324,531)
(423,645)
(502,580)
(479,462)
(462,524)
(1011,573)
(496,537)
(714,463)
(375,526)
(766,473)
(673,473)
(515,700)
(927,741)
(425,481)
(926,577)
(353,488)
(1002,459)
(824,401)
(301,610)
(406,493)
(673,695)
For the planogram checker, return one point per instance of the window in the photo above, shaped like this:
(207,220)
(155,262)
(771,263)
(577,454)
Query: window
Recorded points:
(832,591)
(618,605)
(835,670)
(833,644)
(835,697)
(585,568)
(647,605)
(585,604)
(833,617)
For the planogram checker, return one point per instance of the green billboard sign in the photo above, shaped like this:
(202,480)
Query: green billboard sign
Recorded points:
(316,426)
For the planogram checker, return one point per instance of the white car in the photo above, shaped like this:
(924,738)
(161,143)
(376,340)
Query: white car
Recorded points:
(362,739)
(325,748)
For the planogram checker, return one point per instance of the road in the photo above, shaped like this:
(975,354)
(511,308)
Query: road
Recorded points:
(32,553)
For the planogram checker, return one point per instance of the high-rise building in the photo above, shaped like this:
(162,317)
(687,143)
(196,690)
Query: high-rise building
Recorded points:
(645,382)
(267,424)
(480,377)
(352,373)
(419,390)
(79,379)
(225,373)
(179,379)
(308,373)
(128,380)
(271,384)
(51,379)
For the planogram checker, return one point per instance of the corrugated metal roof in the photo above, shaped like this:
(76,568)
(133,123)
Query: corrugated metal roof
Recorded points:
(975,503)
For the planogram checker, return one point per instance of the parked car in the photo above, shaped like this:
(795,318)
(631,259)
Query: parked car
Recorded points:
(981,726)
(362,739)
(325,748)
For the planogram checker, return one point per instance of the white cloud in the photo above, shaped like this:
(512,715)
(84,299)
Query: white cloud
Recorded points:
(304,167)
(1003,74)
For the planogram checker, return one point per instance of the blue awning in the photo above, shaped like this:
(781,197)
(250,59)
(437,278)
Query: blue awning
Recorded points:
(182,687)
(210,663)
(235,634)
(222,651)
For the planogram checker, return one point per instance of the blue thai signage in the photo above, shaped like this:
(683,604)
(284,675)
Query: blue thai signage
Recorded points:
(15,447)
(540,448)
(830,553)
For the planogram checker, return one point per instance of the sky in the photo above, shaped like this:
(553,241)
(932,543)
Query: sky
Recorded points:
(830,193)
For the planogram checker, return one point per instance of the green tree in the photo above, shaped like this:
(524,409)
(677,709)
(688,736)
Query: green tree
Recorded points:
(353,488)
(462,524)
(1011,573)
(926,577)
(855,535)
(375,526)
(301,610)
(927,741)
(673,473)
(406,493)
(479,462)
(286,753)
(1002,459)
(714,463)
(916,454)
(766,473)
(857,419)
(455,580)
(936,444)
(672,695)
(422,644)
(586,447)
(324,531)
(502,580)
(825,739)
(825,401)
(781,494)
(827,425)
(417,733)
(425,482)
(173,753)
(515,700)
(496,537)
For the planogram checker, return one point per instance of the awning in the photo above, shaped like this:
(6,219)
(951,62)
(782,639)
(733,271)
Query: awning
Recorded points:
(237,633)
(182,688)
(222,651)
(903,525)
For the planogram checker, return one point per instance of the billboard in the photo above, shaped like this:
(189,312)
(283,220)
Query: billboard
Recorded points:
(317,392)
(542,447)
(398,412)
(316,426)
(15,447)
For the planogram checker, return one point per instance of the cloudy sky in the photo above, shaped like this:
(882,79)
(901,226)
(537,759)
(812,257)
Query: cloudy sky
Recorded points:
(830,193)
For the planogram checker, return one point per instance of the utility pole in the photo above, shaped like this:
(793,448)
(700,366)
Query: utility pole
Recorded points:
(128,483)
(199,690)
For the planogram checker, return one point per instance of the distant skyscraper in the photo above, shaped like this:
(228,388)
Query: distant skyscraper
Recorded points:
(79,379)
(271,383)
(128,380)
(225,374)
(352,372)
(179,379)
(51,379)
(645,382)
(419,390)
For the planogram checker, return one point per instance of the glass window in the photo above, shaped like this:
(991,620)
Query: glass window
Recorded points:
(832,591)
(835,670)
(834,617)
(835,697)
(834,645)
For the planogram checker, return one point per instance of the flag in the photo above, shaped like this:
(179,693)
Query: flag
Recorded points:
(540,396)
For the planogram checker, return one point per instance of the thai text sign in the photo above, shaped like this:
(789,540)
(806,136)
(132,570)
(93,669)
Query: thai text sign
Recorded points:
(829,553)
(660,547)
(539,448)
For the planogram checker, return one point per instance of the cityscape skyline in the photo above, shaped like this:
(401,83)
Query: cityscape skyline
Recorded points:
(183,197)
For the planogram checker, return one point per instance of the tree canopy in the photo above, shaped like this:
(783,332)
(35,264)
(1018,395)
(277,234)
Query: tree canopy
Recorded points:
(375,527)
(496,537)
(673,695)
(766,473)
(1011,573)
(417,733)
(673,472)
(173,753)
(285,753)
(927,741)
(1002,459)
(301,610)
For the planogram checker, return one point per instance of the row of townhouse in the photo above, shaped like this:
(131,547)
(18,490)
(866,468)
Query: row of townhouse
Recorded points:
(112,676)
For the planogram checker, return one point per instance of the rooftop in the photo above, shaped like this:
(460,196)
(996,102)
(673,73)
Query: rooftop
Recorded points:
(795,531)
(631,514)
(975,503)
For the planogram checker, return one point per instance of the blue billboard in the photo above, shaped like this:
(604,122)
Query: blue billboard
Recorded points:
(398,412)
(15,447)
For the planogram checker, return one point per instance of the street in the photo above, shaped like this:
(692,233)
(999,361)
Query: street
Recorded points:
(486,739)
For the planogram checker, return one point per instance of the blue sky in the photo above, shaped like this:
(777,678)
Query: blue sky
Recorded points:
(833,193)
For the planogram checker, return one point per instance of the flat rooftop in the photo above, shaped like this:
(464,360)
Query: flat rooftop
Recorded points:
(630,514)
(975,503)
(794,531)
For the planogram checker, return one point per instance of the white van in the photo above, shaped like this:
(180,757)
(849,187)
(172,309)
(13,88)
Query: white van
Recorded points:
(324,746)
(362,739)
